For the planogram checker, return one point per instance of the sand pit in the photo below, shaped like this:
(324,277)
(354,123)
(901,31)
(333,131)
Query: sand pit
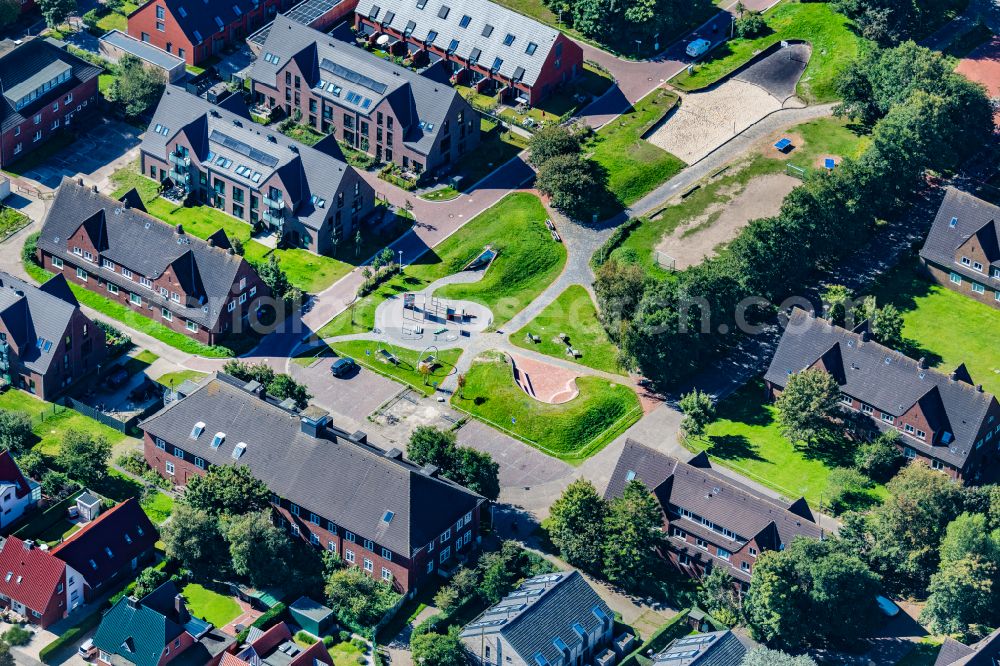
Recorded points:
(544,382)
(695,240)
(706,120)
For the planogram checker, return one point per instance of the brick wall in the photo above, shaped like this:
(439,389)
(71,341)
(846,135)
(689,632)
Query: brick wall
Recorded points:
(991,286)
(67,114)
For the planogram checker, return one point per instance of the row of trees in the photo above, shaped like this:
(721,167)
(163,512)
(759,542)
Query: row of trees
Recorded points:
(892,21)
(923,115)
(277,385)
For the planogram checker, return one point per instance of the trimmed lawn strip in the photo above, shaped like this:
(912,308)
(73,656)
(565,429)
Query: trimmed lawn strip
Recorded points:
(527,261)
(120,487)
(944,326)
(820,138)
(834,45)
(174,379)
(572,431)
(497,146)
(209,605)
(924,653)
(12,221)
(635,167)
(574,314)
(745,437)
(50,422)
(364,352)
(133,319)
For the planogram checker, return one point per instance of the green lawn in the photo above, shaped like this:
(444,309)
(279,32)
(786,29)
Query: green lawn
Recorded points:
(365,353)
(527,262)
(57,421)
(302,133)
(635,166)
(446,193)
(496,148)
(113,21)
(944,326)
(592,82)
(572,431)
(924,654)
(12,221)
(175,379)
(133,319)
(219,609)
(346,654)
(310,272)
(745,437)
(574,314)
(834,45)
(819,138)
(120,487)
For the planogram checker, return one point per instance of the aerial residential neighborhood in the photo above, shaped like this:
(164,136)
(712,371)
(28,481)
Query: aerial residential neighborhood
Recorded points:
(500,333)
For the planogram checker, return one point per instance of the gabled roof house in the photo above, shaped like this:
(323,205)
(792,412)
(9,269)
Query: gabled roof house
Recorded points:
(36,585)
(984,653)
(18,493)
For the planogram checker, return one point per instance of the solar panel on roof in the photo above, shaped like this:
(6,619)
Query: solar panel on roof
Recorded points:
(695,640)
(487,623)
(244,149)
(388,18)
(676,656)
(352,76)
(443,12)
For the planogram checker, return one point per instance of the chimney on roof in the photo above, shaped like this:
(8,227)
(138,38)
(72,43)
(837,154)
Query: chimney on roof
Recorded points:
(429,470)
(359,437)
(922,363)
(179,228)
(864,336)
(953,376)
(132,602)
(254,387)
(93,188)
(28,544)
(394,454)
(79,181)
(312,420)
(182,612)
(979,388)
(232,251)
(211,242)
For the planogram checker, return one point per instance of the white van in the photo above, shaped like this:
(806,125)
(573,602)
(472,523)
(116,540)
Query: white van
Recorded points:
(698,47)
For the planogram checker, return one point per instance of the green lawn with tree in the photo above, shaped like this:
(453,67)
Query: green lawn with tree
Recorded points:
(746,437)
(497,146)
(219,609)
(635,166)
(527,262)
(944,326)
(51,422)
(367,353)
(574,314)
(834,45)
(572,431)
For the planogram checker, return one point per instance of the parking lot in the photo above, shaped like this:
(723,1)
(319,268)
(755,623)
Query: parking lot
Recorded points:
(354,396)
(520,465)
(93,149)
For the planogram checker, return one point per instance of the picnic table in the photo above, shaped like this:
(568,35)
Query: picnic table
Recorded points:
(829,163)
(783,145)
(388,356)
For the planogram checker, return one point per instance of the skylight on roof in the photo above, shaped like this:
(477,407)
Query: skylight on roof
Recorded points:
(197,35)
(236,10)
(431,36)
(219,22)
(464,21)
(219,438)
(453,46)
(953,223)
(421,4)
(443,12)
(508,40)
(183,12)
(496,64)
(629,475)
(488,30)
(410,25)
(387,517)
(240,449)
(199,428)
(532,47)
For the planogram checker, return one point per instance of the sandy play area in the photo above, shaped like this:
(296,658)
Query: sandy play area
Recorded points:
(696,239)
(544,382)
(707,119)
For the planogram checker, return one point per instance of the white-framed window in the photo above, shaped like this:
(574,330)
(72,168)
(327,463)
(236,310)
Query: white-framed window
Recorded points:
(677,532)
(461,521)
(135,299)
(88,255)
(723,553)
(294,508)
(112,288)
(956,278)
(331,546)
(888,418)
(107,263)
(38,136)
(701,543)
(387,555)
(78,251)
(978,288)
(369,565)
(445,554)
(126,273)
(468,518)
(178,453)
(350,536)
(243,284)
(966,261)
(349,555)
(199,462)
(164,292)
(937,464)
(231,306)
(467,538)
(745,566)
(909,453)
(976,266)
(175,297)
(752,551)
(160,444)
(921,434)
(314,519)
(430,565)
(81,274)
(313,539)
(146,282)
(253,291)
(386,574)
(167,314)
(369,545)
(57,263)
(169,467)
(430,547)
(191,326)
(446,535)
(295,530)
(867,409)
(243,298)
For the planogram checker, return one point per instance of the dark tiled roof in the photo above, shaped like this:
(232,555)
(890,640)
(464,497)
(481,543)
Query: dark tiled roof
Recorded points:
(972,217)
(416,100)
(304,170)
(718,648)
(19,63)
(124,530)
(350,483)
(29,575)
(541,610)
(199,19)
(486,31)
(888,381)
(697,487)
(135,631)
(31,313)
(984,653)
(145,245)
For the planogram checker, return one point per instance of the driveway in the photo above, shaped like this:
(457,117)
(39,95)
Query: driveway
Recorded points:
(521,466)
(355,397)
(95,149)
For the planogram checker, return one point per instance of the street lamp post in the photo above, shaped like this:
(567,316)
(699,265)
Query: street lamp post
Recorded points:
(400,261)
(638,45)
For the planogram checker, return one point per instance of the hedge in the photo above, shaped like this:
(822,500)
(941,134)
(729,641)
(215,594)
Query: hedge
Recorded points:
(675,628)
(602,253)
(70,636)
(271,617)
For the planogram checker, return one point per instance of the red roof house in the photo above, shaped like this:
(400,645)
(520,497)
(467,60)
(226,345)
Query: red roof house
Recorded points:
(35,584)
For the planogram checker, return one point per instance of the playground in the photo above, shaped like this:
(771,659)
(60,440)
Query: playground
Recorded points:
(707,119)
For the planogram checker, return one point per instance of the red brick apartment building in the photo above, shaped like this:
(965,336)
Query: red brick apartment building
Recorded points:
(398,521)
(47,344)
(375,106)
(486,46)
(196,287)
(195,30)
(709,519)
(306,195)
(962,250)
(46,89)
(945,420)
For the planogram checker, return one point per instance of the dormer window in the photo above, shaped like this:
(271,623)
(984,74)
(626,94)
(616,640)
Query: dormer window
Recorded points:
(240,449)
(199,428)
(219,438)
(966,261)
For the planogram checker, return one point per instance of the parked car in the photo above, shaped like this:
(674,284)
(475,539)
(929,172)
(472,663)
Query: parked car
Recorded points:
(698,47)
(87,649)
(887,606)
(343,366)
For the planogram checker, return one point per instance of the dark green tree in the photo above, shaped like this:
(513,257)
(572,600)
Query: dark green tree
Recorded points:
(15,431)
(56,12)
(284,387)
(552,141)
(148,580)
(229,490)
(573,185)
(807,404)
(258,551)
(473,469)
(273,275)
(880,457)
(192,537)
(357,598)
(576,525)
(32,464)
(136,87)
(699,411)
(762,656)
(963,593)
(619,286)
(636,521)
(430,649)
(9,11)
(84,457)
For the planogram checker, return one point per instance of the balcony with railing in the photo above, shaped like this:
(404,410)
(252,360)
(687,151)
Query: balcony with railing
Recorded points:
(272,217)
(179,160)
(180,177)
(277,204)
